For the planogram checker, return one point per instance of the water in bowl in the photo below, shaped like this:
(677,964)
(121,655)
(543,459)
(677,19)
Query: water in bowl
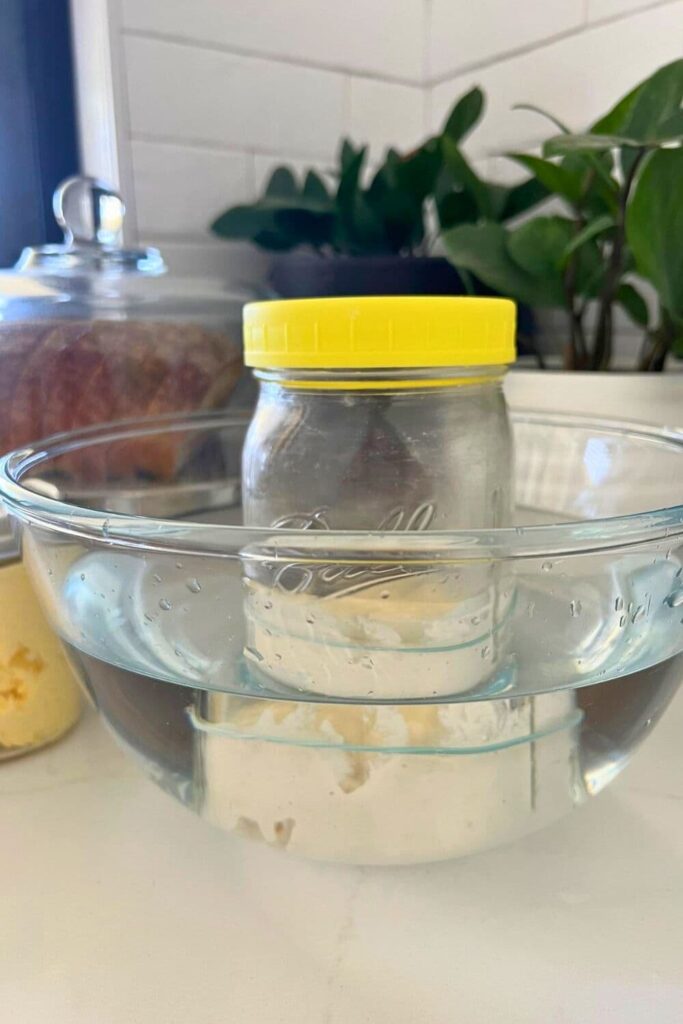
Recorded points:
(163,659)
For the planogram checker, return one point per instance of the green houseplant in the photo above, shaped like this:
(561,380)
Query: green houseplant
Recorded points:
(352,232)
(621,228)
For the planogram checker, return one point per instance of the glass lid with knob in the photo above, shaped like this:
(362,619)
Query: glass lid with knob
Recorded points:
(91,215)
(92,330)
(93,275)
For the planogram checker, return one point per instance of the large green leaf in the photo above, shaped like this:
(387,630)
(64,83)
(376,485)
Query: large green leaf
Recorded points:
(654,226)
(670,129)
(558,145)
(464,115)
(599,190)
(243,222)
(315,189)
(282,184)
(304,226)
(278,222)
(612,123)
(659,95)
(523,197)
(538,246)
(347,154)
(482,249)
(554,177)
(592,230)
(466,179)
(398,210)
(657,99)
(416,173)
(630,299)
(456,208)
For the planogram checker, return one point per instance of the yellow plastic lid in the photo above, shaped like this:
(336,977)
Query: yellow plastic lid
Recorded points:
(379,332)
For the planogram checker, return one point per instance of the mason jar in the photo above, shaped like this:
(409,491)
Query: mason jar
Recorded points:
(378,414)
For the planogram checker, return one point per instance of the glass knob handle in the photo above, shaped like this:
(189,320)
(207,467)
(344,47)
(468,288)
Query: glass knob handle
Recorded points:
(89,212)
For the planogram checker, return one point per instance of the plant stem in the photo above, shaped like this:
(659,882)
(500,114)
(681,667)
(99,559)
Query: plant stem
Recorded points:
(657,344)
(575,355)
(602,349)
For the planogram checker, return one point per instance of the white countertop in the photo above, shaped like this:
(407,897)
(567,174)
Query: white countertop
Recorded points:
(119,907)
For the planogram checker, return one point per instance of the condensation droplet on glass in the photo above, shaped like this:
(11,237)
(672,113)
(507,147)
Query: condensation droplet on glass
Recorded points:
(384,595)
(530,608)
(310,619)
(105,528)
(485,651)
(622,622)
(253,653)
(475,620)
(278,657)
(367,662)
(638,614)
(179,565)
(618,604)
(675,600)
(546,566)
(630,607)
(83,577)
(156,577)
(165,604)
(148,617)
(267,605)
(575,608)
(193,585)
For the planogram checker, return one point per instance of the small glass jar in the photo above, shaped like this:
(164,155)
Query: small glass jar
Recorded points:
(381,414)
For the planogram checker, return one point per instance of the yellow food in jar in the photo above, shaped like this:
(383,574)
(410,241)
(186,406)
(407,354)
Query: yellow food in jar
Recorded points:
(39,697)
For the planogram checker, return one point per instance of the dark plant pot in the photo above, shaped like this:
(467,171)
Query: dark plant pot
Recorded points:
(299,275)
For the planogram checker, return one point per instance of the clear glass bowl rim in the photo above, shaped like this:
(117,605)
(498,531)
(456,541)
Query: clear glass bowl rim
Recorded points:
(120,530)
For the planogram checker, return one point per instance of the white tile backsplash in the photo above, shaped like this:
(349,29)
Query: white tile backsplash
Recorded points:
(216,93)
(464,33)
(187,94)
(241,267)
(598,9)
(381,37)
(179,190)
(385,115)
(576,78)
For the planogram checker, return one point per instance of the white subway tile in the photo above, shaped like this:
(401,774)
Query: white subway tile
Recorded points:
(179,190)
(382,37)
(577,78)
(240,267)
(462,33)
(385,114)
(598,9)
(188,94)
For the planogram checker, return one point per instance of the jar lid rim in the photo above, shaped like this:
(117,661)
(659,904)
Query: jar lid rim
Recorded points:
(380,332)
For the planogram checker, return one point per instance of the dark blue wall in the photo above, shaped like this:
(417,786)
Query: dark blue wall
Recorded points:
(38,144)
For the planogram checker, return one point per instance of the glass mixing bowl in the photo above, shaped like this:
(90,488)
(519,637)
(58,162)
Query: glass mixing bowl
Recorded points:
(364,697)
